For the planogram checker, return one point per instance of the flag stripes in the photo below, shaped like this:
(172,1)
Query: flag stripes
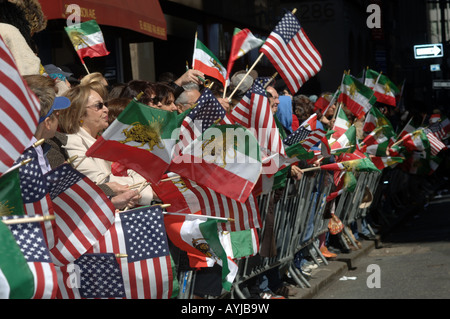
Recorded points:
(292,53)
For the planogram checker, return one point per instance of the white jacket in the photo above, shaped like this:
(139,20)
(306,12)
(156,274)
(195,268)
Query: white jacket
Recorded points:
(99,170)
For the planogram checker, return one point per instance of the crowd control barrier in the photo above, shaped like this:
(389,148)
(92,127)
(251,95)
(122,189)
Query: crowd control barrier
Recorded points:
(298,221)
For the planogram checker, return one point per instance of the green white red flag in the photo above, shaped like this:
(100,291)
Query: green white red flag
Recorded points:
(87,39)
(385,90)
(356,96)
(225,158)
(205,61)
(141,139)
(243,42)
(240,244)
(374,119)
(341,124)
(381,162)
(358,165)
(199,237)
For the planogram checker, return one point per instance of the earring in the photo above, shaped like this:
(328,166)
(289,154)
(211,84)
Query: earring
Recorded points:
(81,122)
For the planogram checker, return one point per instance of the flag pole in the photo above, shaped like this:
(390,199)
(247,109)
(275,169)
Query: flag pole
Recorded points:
(36,219)
(24,162)
(271,80)
(225,219)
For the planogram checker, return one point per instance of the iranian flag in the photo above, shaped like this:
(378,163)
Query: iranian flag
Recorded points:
(348,139)
(199,237)
(374,119)
(87,39)
(16,278)
(141,139)
(382,162)
(205,61)
(377,142)
(243,42)
(225,158)
(357,97)
(341,124)
(385,90)
(240,244)
(358,165)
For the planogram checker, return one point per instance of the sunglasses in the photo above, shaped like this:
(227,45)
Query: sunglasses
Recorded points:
(98,106)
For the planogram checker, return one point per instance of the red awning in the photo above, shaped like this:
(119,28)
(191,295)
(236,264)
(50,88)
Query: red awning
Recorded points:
(144,16)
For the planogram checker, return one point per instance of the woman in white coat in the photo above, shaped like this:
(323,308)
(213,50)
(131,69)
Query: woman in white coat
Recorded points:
(83,122)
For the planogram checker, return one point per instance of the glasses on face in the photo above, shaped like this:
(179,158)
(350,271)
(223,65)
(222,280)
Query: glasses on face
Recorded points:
(98,106)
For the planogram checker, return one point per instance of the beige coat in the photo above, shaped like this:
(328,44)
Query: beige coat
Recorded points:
(27,61)
(99,170)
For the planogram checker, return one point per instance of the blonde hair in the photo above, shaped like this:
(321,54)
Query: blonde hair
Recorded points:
(92,77)
(69,119)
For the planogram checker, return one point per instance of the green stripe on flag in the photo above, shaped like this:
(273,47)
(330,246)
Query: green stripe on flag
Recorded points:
(14,267)
(11,202)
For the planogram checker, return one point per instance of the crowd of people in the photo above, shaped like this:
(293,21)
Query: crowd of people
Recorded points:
(75,112)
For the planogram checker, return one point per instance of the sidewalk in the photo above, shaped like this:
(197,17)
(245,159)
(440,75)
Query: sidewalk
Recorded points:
(336,268)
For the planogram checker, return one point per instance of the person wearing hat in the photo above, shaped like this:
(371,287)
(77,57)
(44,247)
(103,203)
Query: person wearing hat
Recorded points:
(63,79)
(45,90)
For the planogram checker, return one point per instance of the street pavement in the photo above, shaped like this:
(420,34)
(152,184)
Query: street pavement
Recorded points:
(412,261)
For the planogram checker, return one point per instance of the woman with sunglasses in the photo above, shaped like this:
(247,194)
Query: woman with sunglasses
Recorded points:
(83,122)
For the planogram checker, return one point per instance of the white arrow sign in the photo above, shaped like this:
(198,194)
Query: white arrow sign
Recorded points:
(428,51)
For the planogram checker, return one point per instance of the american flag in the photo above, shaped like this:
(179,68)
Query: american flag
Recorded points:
(440,129)
(254,113)
(19,113)
(96,276)
(140,234)
(82,210)
(186,196)
(35,195)
(207,111)
(30,239)
(305,137)
(291,52)
(436,145)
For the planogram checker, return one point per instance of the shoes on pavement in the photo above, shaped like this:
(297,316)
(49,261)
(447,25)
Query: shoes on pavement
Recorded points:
(326,253)
(270,295)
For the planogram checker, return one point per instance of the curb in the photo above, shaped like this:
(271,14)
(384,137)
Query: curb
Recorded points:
(324,275)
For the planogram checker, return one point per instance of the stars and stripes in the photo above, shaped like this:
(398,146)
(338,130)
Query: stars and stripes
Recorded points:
(19,113)
(100,276)
(187,197)
(140,234)
(254,112)
(291,52)
(82,210)
(35,195)
(207,111)
(30,239)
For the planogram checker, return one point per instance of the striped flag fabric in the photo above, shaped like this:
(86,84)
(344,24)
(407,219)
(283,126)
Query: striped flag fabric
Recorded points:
(374,119)
(205,61)
(83,213)
(436,144)
(206,112)
(189,197)
(87,39)
(35,193)
(222,153)
(341,124)
(199,237)
(99,277)
(19,113)
(292,53)
(145,134)
(31,241)
(357,97)
(16,277)
(440,129)
(243,42)
(254,113)
(385,90)
(147,270)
